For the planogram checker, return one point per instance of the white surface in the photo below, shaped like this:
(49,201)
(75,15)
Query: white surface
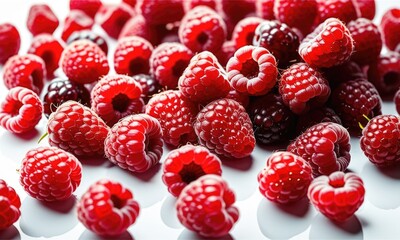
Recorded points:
(259,219)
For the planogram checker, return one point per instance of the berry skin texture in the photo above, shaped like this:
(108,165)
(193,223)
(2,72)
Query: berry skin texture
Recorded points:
(243,33)
(89,35)
(89,7)
(337,196)
(84,62)
(328,45)
(139,26)
(115,97)
(159,12)
(112,18)
(186,164)
(385,73)
(252,70)
(367,8)
(41,19)
(325,146)
(303,88)
(50,174)
(315,116)
(390,26)
(107,208)
(10,41)
(236,10)
(76,20)
(149,86)
(380,140)
(205,206)
(265,9)
(224,127)
(190,4)
(10,205)
(345,10)
(134,143)
(396,100)
(21,111)
(285,178)
(77,129)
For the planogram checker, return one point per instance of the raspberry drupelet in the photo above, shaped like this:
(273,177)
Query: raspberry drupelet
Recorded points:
(10,41)
(244,31)
(41,19)
(10,205)
(76,20)
(390,26)
(113,17)
(91,36)
(344,10)
(89,7)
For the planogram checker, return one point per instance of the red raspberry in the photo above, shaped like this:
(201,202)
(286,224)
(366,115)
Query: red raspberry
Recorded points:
(226,52)
(176,115)
(345,10)
(238,9)
(149,86)
(134,143)
(50,174)
(115,97)
(241,98)
(325,146)
(49,49)
(337,196)
(385,73)
(132,56)
(224,127)
(41,19)
(343,73)
(89,7)
(244,31)
(190,4)
(112,18)
(131,3)
(265,9)
(77,129)
(140,27)
(252,70)
(367,8)
(91,36)
(108,208)
(10,41)
(21,111)
(390,26)
(160,11)
(204,79)
(328,45)
(186,164)
(10,204)
(168,61)
(84,62)
(24,71)
(303,88)
(75,21)
(202,29)
(315,116)
(206,207)
(396,100)
(285,178)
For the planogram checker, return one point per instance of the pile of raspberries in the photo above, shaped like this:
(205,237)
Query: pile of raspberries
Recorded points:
(208,79)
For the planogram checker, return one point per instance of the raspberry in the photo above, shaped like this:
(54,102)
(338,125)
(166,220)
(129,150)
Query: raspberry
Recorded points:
(131,3)
(367,8)
(186,164)
(390,26)
(226,52)
(343,73)
(204,79)
(328,45)
(41,19)
(345,10)
(89,7)
(352,100)
(265,9)
(160,11)
(107,208)
(24,71)
(10,41)
(385,73)
(149,86)
(76,21)
(115,97)
(241,98)
(337,196)
(238,9)
(21,111)
(206,207)
(279,39)
(10,204)
(176,115)
(168,61)
(244,31)
(49,49)
(91,36)
(134,143)
(396,100)
(140,27)
(112,18)
(285,178)
(50,174)
(202,29)
(190,4)
(315,116)
(61,90)
(224,127)
(77,129)
(84,62)
(132,56)
(303,88)
(325,146)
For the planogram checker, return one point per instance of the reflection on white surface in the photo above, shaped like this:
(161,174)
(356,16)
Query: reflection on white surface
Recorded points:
(189,235)
(323,228)
(168,212)
(90,235)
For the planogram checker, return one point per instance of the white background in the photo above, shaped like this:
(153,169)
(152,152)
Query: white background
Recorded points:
(378,218)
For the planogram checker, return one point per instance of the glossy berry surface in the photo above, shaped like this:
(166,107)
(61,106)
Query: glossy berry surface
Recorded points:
(112,18)
(10,205)
(384,73)
(89,7)
(91,36)
(76,20)
(10,41)
(342,9)
(160,11)
(390,25)
(41,19)
(244,31)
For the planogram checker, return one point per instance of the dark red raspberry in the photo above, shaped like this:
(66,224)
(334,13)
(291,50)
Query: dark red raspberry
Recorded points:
(75,21)
(132,56)
(112,18)
(190,4)
(108,208)
(241,98)
(77,129)
(186,164)
(176,115)
(385,73)
(343,73)
(367,8)
(10,204)
(24,71)
(160,11)
(140,27)
(244,31)
(315,116)
(345,10)
(396,100)
(328,45)
(303,88)
(89,7)
(134,143)
(265,9)
(285,178)
(226,52)
(390,26)
(202,29)
(225,128)
(337,196)
(91,36)
(280,40)
(131,3)
(84,62)
(41,19)
(167,63)
(149,86)
(238,9)
(206,207)
(325,146)
(10,41)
